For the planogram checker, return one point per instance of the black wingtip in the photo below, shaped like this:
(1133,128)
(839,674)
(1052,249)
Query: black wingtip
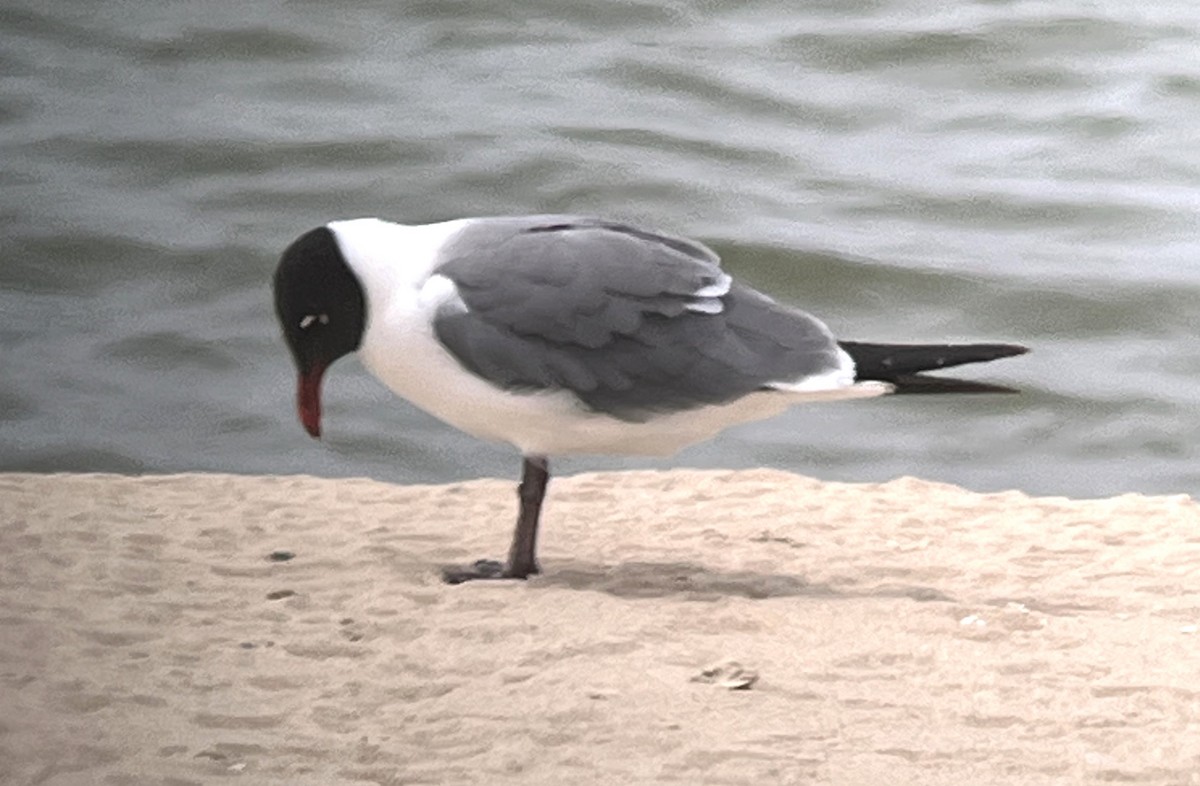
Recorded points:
(927,383)
(903,365)
(887,362)
(1002,350)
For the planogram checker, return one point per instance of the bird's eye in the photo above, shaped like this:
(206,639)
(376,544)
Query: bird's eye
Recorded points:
(308,319)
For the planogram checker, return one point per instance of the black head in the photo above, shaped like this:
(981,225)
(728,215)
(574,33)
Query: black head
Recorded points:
(323,313)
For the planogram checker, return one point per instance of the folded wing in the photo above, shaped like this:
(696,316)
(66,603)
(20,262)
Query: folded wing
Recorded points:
(631,322)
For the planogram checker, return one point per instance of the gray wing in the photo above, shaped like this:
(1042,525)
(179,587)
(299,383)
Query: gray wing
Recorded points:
(629,321)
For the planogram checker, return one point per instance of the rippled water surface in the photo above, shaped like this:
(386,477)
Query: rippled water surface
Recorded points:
(1025,171)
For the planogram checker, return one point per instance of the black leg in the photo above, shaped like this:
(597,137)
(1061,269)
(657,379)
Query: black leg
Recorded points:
(522,555)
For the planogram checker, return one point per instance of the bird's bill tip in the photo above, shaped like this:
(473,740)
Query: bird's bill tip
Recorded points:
(308,400)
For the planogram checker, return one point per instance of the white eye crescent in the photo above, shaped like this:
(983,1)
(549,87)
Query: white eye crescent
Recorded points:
(307,321)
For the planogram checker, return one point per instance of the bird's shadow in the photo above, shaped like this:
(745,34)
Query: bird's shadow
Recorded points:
(697,582)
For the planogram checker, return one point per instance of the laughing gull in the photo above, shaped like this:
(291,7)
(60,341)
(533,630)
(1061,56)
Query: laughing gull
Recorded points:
(566,335)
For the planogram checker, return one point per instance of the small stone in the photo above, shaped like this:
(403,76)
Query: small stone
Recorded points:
(280,556)
(280,594)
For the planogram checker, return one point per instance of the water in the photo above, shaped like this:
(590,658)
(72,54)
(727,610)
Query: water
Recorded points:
(1019,171)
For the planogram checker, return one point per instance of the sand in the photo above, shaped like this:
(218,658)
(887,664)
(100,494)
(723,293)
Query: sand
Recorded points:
(901,633)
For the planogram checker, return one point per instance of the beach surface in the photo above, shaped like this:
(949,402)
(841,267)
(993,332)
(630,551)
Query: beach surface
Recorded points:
(196,629)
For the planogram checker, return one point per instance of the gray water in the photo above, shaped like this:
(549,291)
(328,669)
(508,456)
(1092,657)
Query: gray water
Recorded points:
(1018,171)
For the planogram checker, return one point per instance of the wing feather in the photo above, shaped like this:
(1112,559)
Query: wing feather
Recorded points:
(630,321)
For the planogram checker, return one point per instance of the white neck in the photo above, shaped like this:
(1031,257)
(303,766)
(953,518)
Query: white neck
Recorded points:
(388,257)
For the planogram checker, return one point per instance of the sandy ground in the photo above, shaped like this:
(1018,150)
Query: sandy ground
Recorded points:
(903,633)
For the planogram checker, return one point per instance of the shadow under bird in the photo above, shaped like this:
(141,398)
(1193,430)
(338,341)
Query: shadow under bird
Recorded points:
(571,335)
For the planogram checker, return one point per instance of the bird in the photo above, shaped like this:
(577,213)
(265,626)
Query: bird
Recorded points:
(569,334)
